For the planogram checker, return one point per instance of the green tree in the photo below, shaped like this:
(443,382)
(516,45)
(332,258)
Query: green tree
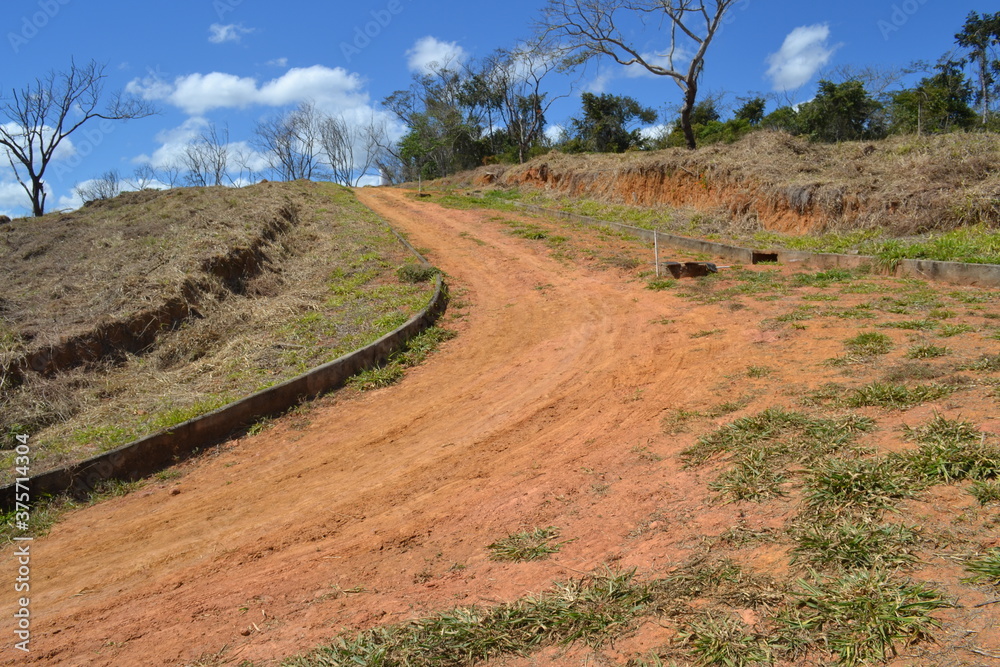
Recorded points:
(939,103)
(784,119)
(445,132)
(604,126)
(840,112)
(752,111)
(981,36)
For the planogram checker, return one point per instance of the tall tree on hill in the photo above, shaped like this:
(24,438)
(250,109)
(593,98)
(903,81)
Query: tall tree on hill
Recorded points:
(604,127)
(840,112)
(939,103)
(445,132)
(981,36)
(42,115)
(593,29)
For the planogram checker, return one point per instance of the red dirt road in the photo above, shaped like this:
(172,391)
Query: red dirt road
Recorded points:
(382,506)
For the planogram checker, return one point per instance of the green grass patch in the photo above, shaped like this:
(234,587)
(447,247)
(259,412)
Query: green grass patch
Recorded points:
(534,544)
(843,543)
(949,330)
(592,610)
(869,343)
(895,396)
(862,485)
(951,450)
(660,284)
(987,492)
(416,273)
(860,617)
(823,279)
(985,568)
(414,352)
(926,352)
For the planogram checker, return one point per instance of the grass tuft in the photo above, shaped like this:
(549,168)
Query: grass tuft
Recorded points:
(862,616)
(590,610)
(526,545)
(895,396)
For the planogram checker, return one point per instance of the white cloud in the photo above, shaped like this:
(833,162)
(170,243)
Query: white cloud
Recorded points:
(599,85)
(12,198)
(555,133)
(654,132)
(803,53)
(220,34)
(197,93)
(175,142)
(278,62)
(429,54)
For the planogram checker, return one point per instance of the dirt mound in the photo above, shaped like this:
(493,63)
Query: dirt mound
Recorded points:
(908,184)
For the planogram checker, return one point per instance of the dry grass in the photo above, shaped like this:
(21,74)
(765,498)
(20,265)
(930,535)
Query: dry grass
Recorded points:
(248,287)
(770,180)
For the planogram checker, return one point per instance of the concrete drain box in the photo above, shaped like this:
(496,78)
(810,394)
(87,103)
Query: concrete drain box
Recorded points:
(690,269)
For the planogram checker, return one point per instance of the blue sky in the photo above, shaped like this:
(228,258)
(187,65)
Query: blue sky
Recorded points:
(234,62)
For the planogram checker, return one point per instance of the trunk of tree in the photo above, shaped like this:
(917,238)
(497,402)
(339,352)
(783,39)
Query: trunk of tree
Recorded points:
(690,95)
(37,197)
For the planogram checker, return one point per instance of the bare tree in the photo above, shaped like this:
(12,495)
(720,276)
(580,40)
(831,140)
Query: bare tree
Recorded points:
(170,174)
(592,28)
(107,186)
(143,177)
(43,114)
(206,160)
(292,142)
(337,140)
(351,150)
(515,84)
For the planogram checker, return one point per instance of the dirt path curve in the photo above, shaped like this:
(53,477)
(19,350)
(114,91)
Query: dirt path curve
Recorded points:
(382,507)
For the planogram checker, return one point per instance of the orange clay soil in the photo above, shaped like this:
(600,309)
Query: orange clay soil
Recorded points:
(546,409)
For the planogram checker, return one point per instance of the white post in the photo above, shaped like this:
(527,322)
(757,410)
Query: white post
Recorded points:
(656,252)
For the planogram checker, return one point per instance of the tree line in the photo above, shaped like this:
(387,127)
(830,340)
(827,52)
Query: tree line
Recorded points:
(458,117)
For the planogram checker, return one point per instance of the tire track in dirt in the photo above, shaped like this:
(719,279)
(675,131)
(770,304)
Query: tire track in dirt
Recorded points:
(557,371)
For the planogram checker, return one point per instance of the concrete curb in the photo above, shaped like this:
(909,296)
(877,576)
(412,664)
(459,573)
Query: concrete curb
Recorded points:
(958,273)
(155,452)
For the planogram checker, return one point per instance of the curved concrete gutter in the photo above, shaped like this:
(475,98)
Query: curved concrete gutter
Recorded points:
(959,273)
(153,453)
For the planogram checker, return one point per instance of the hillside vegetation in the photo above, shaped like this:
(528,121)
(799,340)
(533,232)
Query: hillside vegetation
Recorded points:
(142,311)
(772,181)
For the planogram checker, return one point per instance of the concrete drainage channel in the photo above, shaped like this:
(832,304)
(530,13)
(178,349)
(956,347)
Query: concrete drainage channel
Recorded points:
(155,452)
(959,273)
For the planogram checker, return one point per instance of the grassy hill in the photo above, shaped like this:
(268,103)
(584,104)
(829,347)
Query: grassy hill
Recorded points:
(143,311)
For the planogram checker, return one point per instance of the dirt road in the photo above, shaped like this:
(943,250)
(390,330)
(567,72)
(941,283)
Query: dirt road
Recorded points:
(545,410)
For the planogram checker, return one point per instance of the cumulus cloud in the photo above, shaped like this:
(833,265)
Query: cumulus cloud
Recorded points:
(654,132)
(555,133)
(278,62)
(13,199)
(429,54)
(804,52)
(198,93)
(220,34)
